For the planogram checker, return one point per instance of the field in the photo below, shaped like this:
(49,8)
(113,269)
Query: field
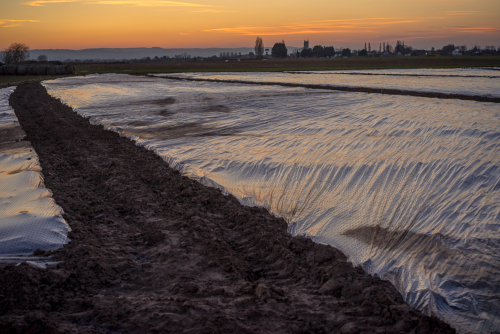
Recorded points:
(271,66)
(152,250)
(14,80)
(290,65)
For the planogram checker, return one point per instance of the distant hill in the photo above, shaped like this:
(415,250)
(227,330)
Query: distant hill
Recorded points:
(131,53)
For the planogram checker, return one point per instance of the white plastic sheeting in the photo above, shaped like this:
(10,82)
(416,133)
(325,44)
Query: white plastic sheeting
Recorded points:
(407,187)
(29,217)
(484,72)
(476,82)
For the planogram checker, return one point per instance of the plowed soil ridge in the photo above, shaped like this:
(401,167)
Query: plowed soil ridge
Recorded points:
(155,252)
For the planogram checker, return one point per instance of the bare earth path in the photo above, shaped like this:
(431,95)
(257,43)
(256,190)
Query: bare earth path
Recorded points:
(155,252)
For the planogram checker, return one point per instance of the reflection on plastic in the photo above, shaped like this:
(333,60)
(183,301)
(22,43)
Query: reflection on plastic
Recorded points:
(407,187)
(485,72)
(29,217)
(479,82)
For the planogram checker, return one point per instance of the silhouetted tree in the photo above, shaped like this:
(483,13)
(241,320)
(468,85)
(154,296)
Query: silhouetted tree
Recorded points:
(380,48)
(318,51)
(408,50)
(42,58)
(363,53)
(399,47)
(329,51)
(369,47)
(279,50)
(346,52)
(184,55)
(448,49)
(306,53)
(259,48)
(15,53)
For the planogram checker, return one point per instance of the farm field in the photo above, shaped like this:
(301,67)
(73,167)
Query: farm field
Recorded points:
(14,80)
(154,251)
(403,185)
(381,177)
(267,66)
(291,65)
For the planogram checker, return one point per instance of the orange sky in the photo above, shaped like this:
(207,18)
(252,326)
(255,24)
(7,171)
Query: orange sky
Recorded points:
(77,24)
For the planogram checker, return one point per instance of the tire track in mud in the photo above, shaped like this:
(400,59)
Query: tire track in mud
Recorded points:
(156,252)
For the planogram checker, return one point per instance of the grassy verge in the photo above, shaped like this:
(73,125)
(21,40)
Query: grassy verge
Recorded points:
(14,80)
(269,66)
(291,65)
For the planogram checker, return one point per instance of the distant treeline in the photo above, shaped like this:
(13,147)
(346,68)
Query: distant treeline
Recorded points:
(384,49)
(37,70)
(18,53)
(448,49)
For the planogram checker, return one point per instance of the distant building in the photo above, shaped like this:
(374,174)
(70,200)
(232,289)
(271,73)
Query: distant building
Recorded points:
(456,53)
(306,44)
(419,53)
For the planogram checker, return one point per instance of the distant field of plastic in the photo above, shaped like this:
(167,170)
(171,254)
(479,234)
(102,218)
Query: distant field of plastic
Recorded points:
(438,72)
(480,82)
(36,70)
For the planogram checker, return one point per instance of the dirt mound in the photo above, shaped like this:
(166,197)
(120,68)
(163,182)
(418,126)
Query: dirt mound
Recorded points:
(155,252)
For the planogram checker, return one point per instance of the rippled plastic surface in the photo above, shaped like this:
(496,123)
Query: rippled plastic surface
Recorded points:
(29,217)
(440,72)
(407,187)
(481,84)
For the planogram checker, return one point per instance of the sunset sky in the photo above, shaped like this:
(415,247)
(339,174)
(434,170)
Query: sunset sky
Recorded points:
(78,24)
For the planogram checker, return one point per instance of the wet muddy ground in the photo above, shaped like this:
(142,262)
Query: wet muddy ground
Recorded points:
(156,252)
